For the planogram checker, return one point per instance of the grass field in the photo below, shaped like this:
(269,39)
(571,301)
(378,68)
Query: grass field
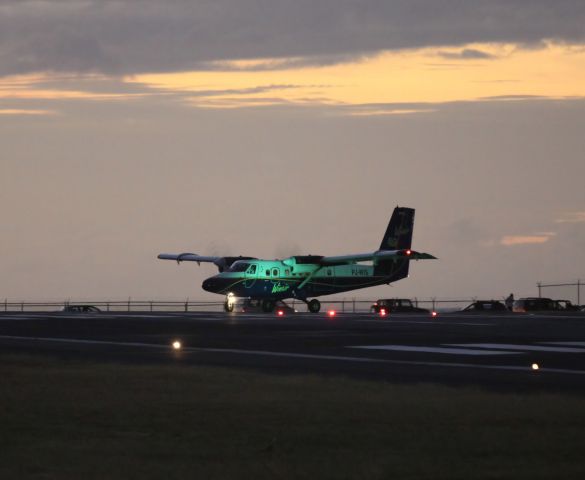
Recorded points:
(63,420)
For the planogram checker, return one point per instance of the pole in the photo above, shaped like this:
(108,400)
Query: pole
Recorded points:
(539,289)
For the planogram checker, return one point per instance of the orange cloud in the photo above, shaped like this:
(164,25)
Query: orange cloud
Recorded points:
(406,76)
(571,217)
(21,111)
(511,240)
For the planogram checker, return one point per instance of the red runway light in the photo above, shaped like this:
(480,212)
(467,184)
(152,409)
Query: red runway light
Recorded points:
(280,313)
(382,312)
(331,313)
(434,314)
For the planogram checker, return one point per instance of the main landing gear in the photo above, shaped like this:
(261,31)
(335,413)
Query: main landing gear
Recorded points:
(314,305)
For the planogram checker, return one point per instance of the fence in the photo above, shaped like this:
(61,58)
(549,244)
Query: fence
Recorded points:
(342,305)
(565,291)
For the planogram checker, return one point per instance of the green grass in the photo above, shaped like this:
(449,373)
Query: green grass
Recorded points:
(78,421)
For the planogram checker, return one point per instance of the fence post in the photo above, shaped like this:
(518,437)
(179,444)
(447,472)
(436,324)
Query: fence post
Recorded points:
(151,305)
(579,292)
(108,307)
(353,301)
(187,305)
(128,303)
(539,285)
(5,304)
(434,299)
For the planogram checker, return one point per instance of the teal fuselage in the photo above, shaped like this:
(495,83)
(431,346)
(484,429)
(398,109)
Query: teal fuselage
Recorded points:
(300,277)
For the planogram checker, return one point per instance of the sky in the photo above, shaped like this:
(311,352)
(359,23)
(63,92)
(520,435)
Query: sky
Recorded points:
(276,127)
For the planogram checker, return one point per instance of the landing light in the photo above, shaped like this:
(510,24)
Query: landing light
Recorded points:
(331,313)
(177,345)
(535,366)
(382,312)
(434,314)
(408,252)
(280,313)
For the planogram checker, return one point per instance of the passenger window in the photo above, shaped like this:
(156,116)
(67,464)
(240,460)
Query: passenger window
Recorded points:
(287,272)
(267,273)
(275,272)
(329,271)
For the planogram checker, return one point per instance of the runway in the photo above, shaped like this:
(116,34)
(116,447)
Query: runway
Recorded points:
(511,352)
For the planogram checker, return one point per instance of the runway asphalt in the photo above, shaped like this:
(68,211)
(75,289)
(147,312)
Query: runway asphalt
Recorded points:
(498,352)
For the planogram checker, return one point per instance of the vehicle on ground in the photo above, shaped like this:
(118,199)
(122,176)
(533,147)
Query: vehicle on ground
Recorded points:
(485,306)
(304,277)
(534,304)
(254,305)
(400,305)
(80,309)
(567,306)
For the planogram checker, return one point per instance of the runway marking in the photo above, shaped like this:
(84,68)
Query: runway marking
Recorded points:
(390,321)
(87,342)
(528,348)
(517,368)
(568,344)
(425,349)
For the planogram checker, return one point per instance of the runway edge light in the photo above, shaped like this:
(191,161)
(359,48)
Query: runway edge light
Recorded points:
(177,345)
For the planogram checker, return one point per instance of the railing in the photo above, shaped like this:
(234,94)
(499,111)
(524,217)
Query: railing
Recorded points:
(567,291)
(341,305)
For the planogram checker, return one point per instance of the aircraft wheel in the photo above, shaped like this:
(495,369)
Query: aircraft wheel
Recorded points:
(314,306)
(268,305)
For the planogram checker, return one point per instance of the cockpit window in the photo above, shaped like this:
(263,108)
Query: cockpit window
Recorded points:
(239,267)
(251,270)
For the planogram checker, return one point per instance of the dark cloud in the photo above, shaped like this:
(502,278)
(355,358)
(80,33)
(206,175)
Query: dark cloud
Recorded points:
(467,54)
(131,36)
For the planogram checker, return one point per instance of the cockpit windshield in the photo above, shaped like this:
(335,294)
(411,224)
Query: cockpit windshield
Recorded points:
(239,266)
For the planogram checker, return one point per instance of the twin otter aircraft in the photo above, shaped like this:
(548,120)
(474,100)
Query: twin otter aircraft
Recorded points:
(305,276)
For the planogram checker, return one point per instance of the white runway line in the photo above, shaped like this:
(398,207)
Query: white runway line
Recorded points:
(424,349)
(391,321)
(568,344)
(526,348)
(517,368)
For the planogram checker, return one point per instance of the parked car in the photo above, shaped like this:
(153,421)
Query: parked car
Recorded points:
(400,305)
(80,309)
(567,306)
(485,306)
(532,304)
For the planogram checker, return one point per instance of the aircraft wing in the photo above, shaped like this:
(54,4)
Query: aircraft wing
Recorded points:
(188,257)
(376,256)
(222,263)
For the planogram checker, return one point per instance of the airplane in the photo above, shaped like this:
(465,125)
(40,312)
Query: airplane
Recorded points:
(307,276)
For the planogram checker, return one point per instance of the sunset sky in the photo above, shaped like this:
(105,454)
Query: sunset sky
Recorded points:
(271,128)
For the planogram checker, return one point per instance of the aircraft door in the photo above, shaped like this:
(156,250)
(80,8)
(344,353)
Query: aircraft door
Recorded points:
(329,279)
(250,276)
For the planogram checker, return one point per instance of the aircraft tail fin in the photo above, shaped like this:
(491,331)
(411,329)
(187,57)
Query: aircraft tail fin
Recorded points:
(398,236)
